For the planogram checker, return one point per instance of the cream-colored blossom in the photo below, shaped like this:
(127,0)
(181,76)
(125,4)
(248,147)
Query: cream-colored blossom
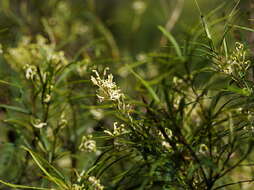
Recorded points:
(35,54)
(168,132)
(236,64)
(166,144)
(87,144)
(77,187)
(97,113)
(95,183)
(47,98)
(63,121)
(203,148)
(108,90)
(118,130)
(38,124)
(30,72)
(139,6)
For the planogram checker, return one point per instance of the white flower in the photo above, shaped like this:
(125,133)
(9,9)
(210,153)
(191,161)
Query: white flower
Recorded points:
(166,144)
(118,130)
(47,98)
(95,183)
(168,132)
(236,63)
(77,187)
(87,144)
(139,6)
(203,149)
(30,72)
(38,124)
(97,113)
(90,145)
(63,122)
(141,57)
(108,90)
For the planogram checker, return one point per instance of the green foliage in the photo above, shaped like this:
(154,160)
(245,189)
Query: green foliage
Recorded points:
(179,116)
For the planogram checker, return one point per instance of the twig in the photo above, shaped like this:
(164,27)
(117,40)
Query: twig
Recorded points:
(235,183)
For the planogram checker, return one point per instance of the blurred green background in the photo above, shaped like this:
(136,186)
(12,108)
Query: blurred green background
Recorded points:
(113,32)
(132,23)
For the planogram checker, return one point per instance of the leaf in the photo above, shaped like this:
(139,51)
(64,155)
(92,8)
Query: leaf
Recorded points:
(205,26)
(146,84)
(242,28)
(17,122)
(14,108)
(10,84)
(13,85)
(173,41)
(50,171)
(244,91)
(22,186)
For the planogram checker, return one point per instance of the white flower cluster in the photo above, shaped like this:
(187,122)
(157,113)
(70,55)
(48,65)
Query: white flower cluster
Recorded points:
(77,187)
(92,181)
(249,129)
(108,90)
(236,64)
(95,183)
(118,130)
(28,56)
(87,144)
(58,58)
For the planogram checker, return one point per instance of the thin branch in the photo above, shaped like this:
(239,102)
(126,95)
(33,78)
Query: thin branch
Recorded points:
(235,183)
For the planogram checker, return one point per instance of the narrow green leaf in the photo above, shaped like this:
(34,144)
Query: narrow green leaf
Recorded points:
(57,179)
(22,186)
(205,25)
(17,122)
(242,27)
(146,84)
(172,40)
(244,91)
(229,19)
(10,84)
(14,108)
(225,47)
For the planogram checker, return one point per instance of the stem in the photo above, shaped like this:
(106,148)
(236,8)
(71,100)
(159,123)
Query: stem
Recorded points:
(235,183)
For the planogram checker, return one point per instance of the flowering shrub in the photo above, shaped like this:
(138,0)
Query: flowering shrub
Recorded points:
(79,112)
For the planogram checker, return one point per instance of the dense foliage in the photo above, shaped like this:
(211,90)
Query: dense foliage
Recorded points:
(125,100)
